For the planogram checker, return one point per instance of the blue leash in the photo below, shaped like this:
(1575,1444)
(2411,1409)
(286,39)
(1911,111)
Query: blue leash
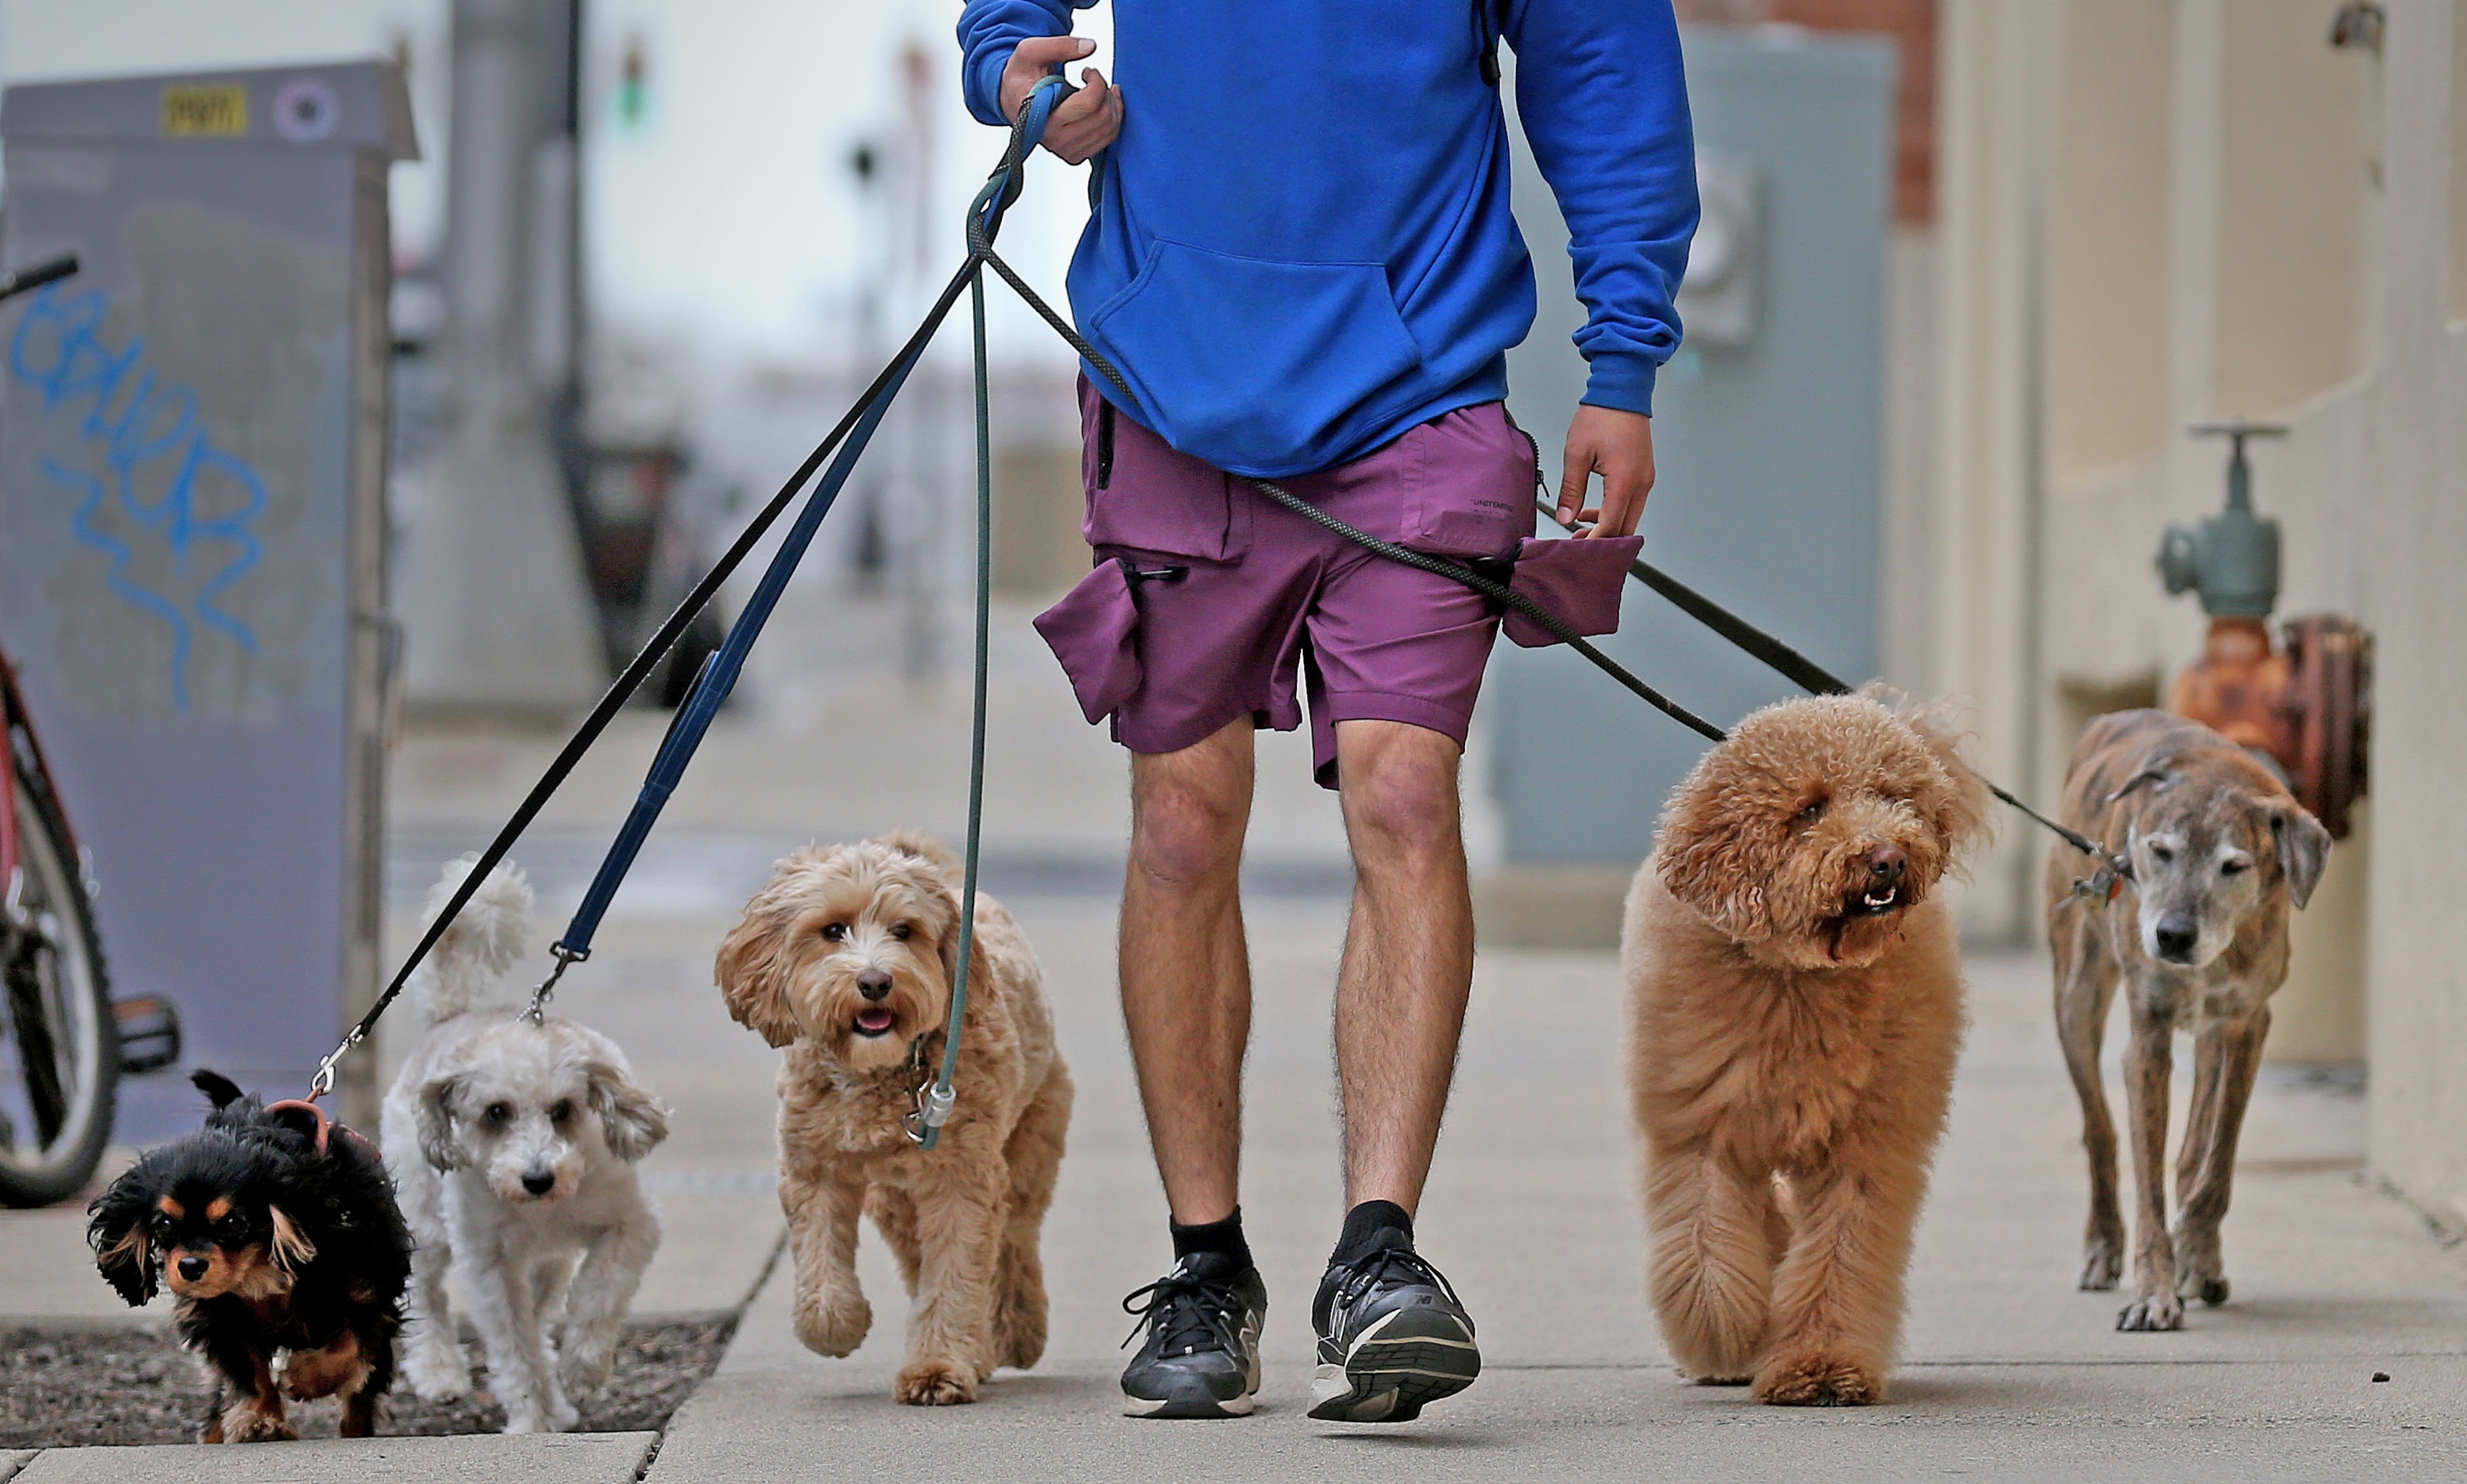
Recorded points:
(720,672)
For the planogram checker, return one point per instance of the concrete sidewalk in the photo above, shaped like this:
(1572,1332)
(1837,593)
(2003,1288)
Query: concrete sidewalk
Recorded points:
(1532,1213)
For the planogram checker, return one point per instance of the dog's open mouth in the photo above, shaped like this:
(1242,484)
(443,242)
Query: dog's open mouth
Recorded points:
(1874,903)
(875,1020)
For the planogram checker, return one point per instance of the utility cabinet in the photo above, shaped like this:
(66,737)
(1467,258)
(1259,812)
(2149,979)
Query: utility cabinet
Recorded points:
(193,444)
(1768,433)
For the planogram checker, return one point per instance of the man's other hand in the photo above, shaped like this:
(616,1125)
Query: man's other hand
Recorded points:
(1082,124)
(1617,445)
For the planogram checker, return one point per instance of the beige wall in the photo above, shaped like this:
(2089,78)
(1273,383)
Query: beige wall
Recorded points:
(2310,206)
(2219,214)
(2107,236)
(2290,185)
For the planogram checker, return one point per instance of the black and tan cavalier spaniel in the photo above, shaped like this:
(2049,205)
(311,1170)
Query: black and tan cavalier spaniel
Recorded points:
(279,1233)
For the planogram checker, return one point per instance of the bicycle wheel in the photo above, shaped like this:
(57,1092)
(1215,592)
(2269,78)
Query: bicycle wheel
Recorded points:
(59,1051)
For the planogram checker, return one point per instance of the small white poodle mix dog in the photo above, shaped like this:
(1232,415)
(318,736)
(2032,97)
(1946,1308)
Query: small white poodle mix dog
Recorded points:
(513,1148)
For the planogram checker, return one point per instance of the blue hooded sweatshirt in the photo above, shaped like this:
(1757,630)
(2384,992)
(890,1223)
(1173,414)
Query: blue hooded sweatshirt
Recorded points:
(1303,245)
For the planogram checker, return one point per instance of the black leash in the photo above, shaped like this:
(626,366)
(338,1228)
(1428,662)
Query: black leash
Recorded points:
(621,690)
(1810,676)
(985,220)
(1790,663)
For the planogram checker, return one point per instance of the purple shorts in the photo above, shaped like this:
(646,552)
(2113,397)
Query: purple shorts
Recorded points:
(1208,598)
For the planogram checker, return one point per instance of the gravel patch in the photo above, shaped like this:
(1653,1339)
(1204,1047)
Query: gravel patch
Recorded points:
(73,1390)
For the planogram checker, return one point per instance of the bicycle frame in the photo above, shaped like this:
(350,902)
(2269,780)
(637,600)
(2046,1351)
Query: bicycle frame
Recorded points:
(9,708)
(14,721)
(18,730)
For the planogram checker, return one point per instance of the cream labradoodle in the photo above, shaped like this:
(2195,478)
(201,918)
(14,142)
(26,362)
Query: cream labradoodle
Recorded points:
(846,959)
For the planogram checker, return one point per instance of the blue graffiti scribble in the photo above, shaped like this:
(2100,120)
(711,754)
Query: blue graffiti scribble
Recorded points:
(150,431)
(82,525)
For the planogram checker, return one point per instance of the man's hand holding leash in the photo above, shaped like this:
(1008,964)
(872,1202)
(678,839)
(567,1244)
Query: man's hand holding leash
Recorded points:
(1083,124)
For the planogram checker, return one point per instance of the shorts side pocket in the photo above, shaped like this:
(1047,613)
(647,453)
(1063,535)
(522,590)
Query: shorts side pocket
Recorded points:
(1144,494)
(1094,632)
(1577,582)
(1468,486)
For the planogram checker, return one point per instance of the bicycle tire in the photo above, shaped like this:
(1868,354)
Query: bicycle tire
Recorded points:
(64,1162)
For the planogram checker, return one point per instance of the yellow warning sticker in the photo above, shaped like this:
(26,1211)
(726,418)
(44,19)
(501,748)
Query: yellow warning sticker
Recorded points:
(210,109)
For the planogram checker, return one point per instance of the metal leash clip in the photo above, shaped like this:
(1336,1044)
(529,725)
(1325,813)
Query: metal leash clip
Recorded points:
(934,1104)
(2104,884)
(324,1082)
(566,958)
(919,1116)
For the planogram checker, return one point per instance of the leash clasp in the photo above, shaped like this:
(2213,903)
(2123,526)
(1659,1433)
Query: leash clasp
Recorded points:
(566,958)
(930,1104)
(2106,884)
(934,1104)
(323,1082)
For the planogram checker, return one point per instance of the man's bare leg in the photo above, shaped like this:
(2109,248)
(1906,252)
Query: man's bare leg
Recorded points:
(1400,998)
(1391,1334)
(1185,971)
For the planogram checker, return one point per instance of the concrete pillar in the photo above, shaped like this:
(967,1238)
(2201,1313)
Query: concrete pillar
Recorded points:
(493,596)
(2417,610)
(1992,126)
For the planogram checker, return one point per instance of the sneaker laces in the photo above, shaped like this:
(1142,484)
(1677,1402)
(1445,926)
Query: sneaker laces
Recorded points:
(1387,1264)
(1183,1308)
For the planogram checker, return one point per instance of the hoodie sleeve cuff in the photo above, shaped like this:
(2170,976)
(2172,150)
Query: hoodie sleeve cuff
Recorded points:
(1623,383)
(984,90)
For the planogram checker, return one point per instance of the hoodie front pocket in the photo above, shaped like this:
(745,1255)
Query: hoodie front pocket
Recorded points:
(1246,361)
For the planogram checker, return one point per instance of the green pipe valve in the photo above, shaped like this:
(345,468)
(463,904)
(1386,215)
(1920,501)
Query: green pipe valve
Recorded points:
(2230,558)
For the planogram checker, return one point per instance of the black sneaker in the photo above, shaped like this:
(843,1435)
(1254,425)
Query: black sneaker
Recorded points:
(1391,1336)
(1202,1354)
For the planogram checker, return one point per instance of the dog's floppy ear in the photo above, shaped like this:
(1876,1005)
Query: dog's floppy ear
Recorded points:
(219,1090)
(1964,814)
(292,1248)
(924,847)
(2303,848)
(436,1142)
(940,885)
(631,1120)
(752,971)
(1700,858)
(123,1251)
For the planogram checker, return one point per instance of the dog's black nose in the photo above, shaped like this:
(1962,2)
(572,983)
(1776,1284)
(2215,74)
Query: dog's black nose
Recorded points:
(193,1267)
(875,984)
(2176,937)
(1885,864)
(540,1183)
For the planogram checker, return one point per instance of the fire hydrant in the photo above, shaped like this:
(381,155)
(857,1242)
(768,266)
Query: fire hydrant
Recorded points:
(2305,706)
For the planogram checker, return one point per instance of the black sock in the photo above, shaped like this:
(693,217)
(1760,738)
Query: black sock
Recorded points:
(1223,1238)
(1364,1223)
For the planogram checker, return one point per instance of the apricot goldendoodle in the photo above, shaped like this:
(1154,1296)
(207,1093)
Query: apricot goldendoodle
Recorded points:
(847,959)
(1794,1013)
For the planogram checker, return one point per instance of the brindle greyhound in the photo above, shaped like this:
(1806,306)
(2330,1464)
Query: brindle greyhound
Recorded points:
(2220,851)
